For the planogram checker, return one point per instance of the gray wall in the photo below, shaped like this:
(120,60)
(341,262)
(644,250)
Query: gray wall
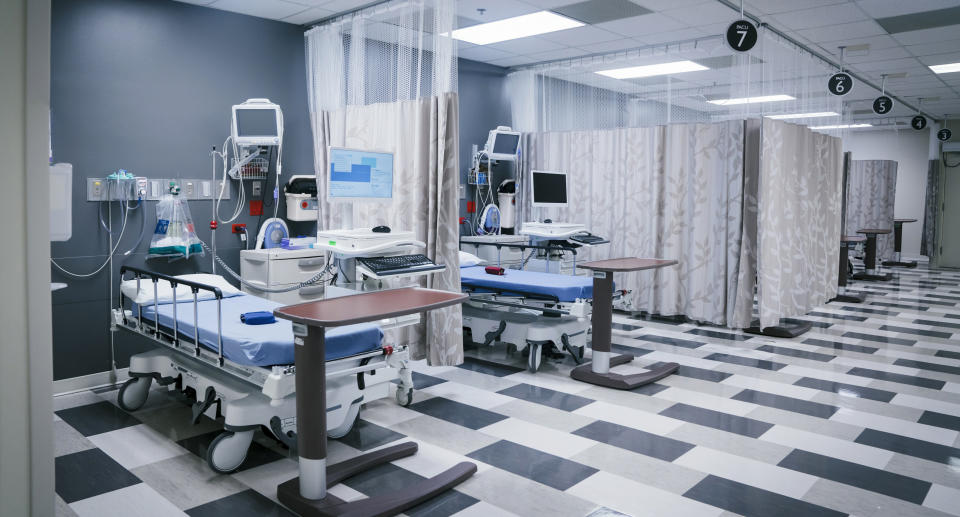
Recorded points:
(147,85)
(482,108)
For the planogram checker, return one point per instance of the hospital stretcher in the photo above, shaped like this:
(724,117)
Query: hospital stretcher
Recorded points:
(245,372)
(528,309)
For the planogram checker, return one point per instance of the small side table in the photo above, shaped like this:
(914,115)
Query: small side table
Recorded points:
(597,371)
(307,494)
(843,295)
(872,274)
(897,243)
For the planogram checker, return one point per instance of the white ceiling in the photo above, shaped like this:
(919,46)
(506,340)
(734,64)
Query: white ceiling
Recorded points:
(822,25)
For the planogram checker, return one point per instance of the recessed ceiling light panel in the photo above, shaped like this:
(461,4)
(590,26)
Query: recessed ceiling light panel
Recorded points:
(818,114)
(842,126)
(946,68)
(752,100)
(531,24)
(633,72)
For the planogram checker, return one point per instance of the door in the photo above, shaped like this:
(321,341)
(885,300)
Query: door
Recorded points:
(950,223)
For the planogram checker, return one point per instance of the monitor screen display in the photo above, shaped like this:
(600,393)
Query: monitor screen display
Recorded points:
(505,143)
(356,174)
(549,188)
(256,122)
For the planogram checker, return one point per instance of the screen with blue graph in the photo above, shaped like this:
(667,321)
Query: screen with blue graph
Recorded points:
(360,174)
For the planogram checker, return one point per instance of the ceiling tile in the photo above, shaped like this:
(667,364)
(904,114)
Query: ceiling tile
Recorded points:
(937,47)
(528,45)
(920,21)
(513,61)
(703,14)
(845,31)
(941,59)
(612,46)
(309,16)
(340,6)
(820,16)
(878,55)
(780,6)
(885,8)
(672,36)
(579,36)
(643,25)
(563,53)
(494,9)
(483,53)
(928,35)
(888,65)
(663,5)
(599,11)
(272,9)
(548,4)
(197,2)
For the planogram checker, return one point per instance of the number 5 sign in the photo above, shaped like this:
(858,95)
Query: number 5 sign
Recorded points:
(741,35)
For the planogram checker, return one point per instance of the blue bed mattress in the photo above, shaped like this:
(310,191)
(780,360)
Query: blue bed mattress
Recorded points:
(564,288)
(258,345)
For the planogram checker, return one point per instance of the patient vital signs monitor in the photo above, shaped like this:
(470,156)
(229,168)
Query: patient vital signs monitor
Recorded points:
(549,189)
(359,175)
(257,122)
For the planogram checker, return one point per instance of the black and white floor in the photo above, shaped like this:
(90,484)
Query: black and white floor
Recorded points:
(860,416)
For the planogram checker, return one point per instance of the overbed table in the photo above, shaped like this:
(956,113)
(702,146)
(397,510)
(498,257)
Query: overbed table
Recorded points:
(870,261)
(843,296)
(897,242)
(597,371)
(307,494)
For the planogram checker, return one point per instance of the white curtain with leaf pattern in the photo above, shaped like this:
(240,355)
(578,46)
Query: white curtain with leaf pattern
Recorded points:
(871,192)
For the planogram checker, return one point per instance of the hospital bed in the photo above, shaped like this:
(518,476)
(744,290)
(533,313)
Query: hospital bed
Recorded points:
(244,372)
(531,310)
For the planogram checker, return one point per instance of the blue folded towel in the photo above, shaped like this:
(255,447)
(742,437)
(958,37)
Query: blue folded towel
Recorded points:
(258,318)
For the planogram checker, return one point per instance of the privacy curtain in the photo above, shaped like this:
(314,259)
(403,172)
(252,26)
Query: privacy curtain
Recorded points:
(666,191)
(798,220)
(384,79)
(928,239)
(871,191)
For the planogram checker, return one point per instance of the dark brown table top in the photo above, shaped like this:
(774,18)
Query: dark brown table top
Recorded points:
(873,230)
(360,308)
(853,238)
(626,264)
(904,220)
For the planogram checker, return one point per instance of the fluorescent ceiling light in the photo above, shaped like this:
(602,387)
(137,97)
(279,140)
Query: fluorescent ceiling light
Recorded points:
(752,100)
(842,126)
(946,69)
(632,72)
(531,24)
(804,115)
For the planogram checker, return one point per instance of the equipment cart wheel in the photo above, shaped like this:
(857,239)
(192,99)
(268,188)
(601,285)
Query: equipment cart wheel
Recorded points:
(348,422)
(133,394)
(404,396)
(227,451)
(533,360)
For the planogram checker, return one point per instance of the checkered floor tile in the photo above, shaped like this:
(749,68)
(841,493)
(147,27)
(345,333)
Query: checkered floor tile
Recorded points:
(859,416)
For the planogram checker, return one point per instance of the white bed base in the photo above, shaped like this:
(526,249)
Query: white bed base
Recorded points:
(528,323)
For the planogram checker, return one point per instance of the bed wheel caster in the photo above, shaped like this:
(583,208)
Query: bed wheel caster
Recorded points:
(228,451)
(404,396)
(133,394)
(533,359)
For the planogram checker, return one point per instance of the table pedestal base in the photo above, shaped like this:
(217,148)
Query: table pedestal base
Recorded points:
(850,298)
(383,505)
(872,277)
(898,263)
(784,330)
(609,379)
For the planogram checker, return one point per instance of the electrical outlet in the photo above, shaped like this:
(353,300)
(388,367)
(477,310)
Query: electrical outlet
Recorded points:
(462,189)
(255,188)
(189,190)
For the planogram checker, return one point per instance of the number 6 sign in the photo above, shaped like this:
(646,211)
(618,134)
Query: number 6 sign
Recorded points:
(840,84)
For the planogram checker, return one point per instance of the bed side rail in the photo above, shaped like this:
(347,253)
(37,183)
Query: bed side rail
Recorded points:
(195,288)
(572,248)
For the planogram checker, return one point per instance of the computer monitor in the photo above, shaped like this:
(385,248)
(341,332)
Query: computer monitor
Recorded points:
(256,122)
(359,175)
(502,143)
(549,189)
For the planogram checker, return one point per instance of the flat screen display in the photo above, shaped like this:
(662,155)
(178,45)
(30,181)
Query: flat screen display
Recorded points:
(504,143)
(356,174)
(549,188)
(256,122)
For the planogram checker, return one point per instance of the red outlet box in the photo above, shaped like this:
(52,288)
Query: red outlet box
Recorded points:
(239,228)
(471,207)
(256,207)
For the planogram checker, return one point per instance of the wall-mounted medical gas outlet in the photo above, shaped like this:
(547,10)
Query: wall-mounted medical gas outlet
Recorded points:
(151,189)
(239,228)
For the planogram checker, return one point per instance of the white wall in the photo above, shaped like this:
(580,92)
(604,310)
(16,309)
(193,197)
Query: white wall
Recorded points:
(26,404)
(911,150)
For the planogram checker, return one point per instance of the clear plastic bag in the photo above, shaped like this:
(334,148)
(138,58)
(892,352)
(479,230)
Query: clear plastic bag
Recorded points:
(174,236)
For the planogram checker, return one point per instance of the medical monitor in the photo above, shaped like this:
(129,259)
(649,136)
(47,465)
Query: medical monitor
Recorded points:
(357,175)
(256,122)
(502,143)
(549,189)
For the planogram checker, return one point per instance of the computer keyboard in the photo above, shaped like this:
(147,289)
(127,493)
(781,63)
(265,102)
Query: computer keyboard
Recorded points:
(588,239)
(398,264)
